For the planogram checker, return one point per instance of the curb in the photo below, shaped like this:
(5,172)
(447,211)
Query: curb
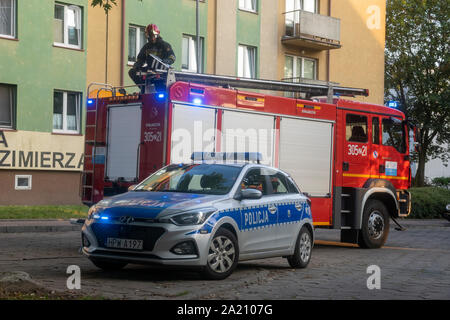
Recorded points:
(37,226)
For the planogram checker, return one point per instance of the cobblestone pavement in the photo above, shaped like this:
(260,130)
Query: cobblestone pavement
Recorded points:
(415,264)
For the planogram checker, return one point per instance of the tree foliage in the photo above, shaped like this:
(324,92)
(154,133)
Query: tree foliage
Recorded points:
(105,4)
(418,71)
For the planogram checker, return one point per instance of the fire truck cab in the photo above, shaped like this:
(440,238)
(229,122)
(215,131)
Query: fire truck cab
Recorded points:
(351,159)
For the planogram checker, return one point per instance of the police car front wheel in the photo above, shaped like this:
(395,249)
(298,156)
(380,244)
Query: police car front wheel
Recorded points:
(303,249)
(223,255)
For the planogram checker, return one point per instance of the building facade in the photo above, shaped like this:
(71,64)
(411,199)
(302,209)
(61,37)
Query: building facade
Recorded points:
(51,51)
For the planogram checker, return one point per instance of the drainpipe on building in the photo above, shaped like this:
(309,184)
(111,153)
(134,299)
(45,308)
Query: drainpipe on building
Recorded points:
(197,36)
(122,46)
(106,59)
(328,51)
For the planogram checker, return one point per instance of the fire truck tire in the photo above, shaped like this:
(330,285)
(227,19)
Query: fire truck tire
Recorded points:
(223,255)
(303,249)
(375,225)
(107,265)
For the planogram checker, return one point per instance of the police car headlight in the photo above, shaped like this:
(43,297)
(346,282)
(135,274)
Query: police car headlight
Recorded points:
(190,218)
(96,207)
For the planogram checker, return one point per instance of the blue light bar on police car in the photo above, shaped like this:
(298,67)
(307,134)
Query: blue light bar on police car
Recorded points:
(227,156)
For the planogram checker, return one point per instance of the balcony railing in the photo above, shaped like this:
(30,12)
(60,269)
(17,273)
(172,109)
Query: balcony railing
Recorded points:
(312,30)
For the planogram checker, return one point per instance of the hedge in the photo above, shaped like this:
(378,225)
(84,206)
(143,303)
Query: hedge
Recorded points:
(428,202)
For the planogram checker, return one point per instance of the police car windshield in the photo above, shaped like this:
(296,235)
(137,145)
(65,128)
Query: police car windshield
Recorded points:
(192,178)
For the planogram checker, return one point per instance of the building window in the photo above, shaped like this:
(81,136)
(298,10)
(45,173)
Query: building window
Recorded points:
(66,112)
(246,62)
(296,68)
(8,18)
(67,26)
(7,106)
(22,182)
(189,54)
(248,5)
(304,5)
(136,40)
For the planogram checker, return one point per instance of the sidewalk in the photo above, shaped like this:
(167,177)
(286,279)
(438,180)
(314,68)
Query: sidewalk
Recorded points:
(38,225)
(21,226)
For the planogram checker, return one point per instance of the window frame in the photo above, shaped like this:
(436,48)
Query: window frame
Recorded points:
(295,77)
(247,47)
(252,10)
(12,106)
(202,49)
(64,129)
(65,43)
(403,142)
(21,188)
(302,6)
(138,41)
(13,34)
(348,138)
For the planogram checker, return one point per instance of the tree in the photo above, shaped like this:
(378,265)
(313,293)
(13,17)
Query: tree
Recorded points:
(418,72)
(105,4)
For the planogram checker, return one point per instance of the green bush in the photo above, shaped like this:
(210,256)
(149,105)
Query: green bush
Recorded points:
(428,202)
(442,182)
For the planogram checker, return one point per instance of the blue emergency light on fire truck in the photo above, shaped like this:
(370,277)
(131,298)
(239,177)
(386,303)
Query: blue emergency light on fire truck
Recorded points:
(351,158)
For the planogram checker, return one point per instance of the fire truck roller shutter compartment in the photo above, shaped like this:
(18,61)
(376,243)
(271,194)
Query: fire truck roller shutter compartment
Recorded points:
(306,154)
(193,129)
(249,132)
(124,137)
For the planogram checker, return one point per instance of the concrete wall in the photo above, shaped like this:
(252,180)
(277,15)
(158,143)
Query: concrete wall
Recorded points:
(360,61)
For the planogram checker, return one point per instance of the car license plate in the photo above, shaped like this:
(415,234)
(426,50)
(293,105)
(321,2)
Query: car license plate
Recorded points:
(125,244)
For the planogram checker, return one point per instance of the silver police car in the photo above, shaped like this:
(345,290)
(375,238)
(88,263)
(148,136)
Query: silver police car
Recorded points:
(205,214)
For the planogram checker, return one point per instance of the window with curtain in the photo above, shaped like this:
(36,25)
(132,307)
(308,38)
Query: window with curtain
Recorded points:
(189,54)
(249,5)
(296,68)
(246,61)
(67,26)
(66,112)
(7,105)
(136,40)
(7,18)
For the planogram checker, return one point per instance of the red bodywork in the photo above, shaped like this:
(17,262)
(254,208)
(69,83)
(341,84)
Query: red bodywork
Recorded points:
(365,159)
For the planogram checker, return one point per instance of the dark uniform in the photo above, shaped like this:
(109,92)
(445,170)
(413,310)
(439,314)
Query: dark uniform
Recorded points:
(160,48)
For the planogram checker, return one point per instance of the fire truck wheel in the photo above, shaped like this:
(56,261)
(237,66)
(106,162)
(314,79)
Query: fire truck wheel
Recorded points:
(108,265)
(303,249)
(375,225)
(223,255)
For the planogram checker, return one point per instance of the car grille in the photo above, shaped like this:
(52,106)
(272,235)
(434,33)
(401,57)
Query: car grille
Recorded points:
(149,235)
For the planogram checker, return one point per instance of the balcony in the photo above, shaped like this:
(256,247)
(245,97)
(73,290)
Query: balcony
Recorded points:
(311,30)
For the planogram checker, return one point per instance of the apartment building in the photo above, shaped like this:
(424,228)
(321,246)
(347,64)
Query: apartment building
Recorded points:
(340,41)
(42,84)
(50,51)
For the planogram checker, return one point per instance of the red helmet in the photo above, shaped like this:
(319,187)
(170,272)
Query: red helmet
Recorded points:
(152,29)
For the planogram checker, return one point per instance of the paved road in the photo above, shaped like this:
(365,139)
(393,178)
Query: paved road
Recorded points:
(414,265)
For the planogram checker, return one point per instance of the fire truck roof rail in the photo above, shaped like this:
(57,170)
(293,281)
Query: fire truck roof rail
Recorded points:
(227,81)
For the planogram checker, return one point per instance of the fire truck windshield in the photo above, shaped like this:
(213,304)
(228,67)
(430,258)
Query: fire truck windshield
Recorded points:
(212,179)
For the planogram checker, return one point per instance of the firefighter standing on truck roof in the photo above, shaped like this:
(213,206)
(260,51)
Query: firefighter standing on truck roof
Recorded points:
(155,46)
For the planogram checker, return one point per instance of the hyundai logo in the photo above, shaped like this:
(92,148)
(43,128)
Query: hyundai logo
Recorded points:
(126,219)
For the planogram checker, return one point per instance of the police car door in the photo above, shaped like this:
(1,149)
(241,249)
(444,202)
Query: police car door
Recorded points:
(259,216)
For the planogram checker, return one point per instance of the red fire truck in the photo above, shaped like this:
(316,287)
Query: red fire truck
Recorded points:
(350,158)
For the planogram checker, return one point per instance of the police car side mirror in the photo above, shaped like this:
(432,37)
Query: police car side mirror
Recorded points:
(250,194)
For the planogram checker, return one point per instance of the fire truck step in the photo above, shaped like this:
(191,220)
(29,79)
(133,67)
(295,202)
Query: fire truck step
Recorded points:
(346,211)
